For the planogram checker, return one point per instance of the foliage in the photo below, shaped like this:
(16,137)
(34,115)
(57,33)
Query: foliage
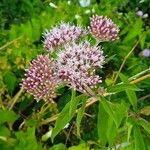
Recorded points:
(118,119)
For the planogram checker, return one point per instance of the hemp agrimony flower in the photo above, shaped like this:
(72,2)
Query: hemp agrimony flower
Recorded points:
(76,65)
(76,60)
(103,28)
(40,80)
(61,34)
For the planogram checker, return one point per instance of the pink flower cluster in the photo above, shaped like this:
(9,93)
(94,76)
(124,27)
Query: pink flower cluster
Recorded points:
(40,80)
(103,28)
(76,65)
(76,61)
(61,34)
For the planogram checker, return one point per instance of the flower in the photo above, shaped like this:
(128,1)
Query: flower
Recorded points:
(40,80)
(139,13)
(146,52)
(84,3)
(103,28)
(61,34)
(76,65)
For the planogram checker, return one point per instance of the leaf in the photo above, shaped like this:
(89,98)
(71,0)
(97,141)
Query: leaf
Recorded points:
(102,124)
(138,139)
(82,146)
(59,146)
(4,131)
(27,140)
(72,101)
(134,31)
(116,111)
(108,108)
(80,115)
(10,80)
(130,93)
(144,124)
(129,126)
(111,132)
(142,41)
(122,87)
(65,116)
(7,116)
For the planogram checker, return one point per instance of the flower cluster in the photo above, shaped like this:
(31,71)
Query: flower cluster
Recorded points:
(40,80)
(61,34)
(76,64)
(103,28)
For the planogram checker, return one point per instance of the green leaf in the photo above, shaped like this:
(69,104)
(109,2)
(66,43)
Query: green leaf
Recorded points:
(102,124)
(82,146)
(122,87)
(134,31)
(129,128)
(80,115)
(144,124)
(72,101)
(107,107)
(59,146)
(138,139)
(10,80)
(111,132)
(7,116)
(4,131)
(116,111)
(130,93)
(64,117)
(27,140)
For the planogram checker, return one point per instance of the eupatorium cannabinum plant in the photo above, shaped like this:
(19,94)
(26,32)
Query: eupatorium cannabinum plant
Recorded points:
(76,61)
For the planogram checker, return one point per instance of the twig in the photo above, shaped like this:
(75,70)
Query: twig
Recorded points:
(144,97)
(139,74)
(16,97)
(141,78)
(9,43)
(67,138)
(126,57)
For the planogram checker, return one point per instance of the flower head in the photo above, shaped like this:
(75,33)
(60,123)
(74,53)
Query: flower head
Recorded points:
(40,80)
(103,28)
(76,65)
(61,34)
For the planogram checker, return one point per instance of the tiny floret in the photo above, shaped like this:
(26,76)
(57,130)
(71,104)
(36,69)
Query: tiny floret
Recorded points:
(103,28)
(40,80)
(61,34)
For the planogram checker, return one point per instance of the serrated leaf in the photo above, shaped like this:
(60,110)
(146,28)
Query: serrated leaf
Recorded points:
(116,111)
